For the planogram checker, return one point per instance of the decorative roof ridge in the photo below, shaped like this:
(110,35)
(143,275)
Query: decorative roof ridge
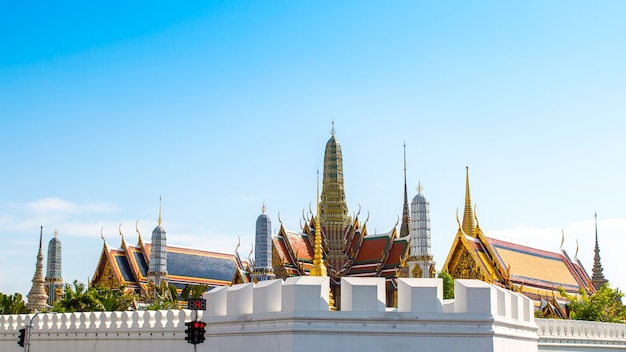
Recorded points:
(405,238)
(522,246)
(384,234)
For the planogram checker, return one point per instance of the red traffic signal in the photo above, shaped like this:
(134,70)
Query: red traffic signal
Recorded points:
(195,332)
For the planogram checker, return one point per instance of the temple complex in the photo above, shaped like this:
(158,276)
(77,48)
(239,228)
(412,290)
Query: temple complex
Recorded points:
(346,248)
(533,272)
(137,267)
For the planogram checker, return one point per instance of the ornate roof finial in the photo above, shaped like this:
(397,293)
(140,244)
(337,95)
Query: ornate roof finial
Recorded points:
(137,228)
(419,188)
(263,209)
(40,237)
(576,255)
(469,222)
(332,130)
(56,234)
(562,238)
(102,235)
(160,206)
(319,268)
(121,234)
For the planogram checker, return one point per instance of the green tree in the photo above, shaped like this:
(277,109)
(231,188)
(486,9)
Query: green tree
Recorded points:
(605,305)
(78,298)
(448,284)
(115,300)
(12,304)
(193,291)
(160,297)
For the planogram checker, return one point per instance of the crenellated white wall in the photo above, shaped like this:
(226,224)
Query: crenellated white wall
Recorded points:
(294,315)
(481,318)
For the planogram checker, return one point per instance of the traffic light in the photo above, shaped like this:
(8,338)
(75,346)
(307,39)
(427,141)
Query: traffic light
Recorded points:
(189,331)
(195,332)
(22,337)
(199,330)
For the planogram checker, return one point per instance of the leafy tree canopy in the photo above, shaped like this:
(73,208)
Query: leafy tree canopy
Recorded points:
(605,305)
(448,284)
(79,298)
(12,304)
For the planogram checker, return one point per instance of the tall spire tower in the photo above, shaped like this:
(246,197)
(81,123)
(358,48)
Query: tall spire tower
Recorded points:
(263,248)
(54,280)
(469,221)
(404,227)
(157,271)
(421,264)
(333,210)
(597,278)
(37,297)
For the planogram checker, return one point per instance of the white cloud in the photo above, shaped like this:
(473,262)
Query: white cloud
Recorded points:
(52,205)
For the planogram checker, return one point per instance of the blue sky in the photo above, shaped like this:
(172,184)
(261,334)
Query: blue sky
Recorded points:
(220,107)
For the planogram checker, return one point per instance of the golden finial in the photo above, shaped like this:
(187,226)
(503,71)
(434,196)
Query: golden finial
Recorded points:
(332,131)
(457,218)
(280,220)
(562,238)
(238,244)
(55,233)
(102,234)
(576,255)
(160,206)
(318,269)
(419,188)
(469,222)
(263,209)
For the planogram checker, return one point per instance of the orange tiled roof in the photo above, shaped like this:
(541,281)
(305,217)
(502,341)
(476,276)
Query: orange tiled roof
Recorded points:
(538,268)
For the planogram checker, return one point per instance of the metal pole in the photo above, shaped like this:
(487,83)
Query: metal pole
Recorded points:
(195,346)
(30,329)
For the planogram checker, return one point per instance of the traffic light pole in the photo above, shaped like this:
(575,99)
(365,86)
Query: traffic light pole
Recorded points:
(195,346)
(29,329)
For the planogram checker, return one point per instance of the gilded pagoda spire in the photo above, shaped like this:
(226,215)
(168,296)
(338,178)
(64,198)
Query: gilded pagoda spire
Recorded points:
(404,227)
(333,209)
(37,297)
(597,278)
(318,268)
(469,221)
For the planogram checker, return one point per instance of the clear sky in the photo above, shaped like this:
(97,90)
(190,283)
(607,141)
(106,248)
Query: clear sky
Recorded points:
(220,107)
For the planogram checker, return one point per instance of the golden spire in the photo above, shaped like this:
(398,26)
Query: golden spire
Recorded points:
(160,206)
(469,221)
(419,188)
(332,129)
(318,269)
(263,209)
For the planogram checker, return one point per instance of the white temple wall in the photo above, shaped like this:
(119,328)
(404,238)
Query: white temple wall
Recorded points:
(294,316)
